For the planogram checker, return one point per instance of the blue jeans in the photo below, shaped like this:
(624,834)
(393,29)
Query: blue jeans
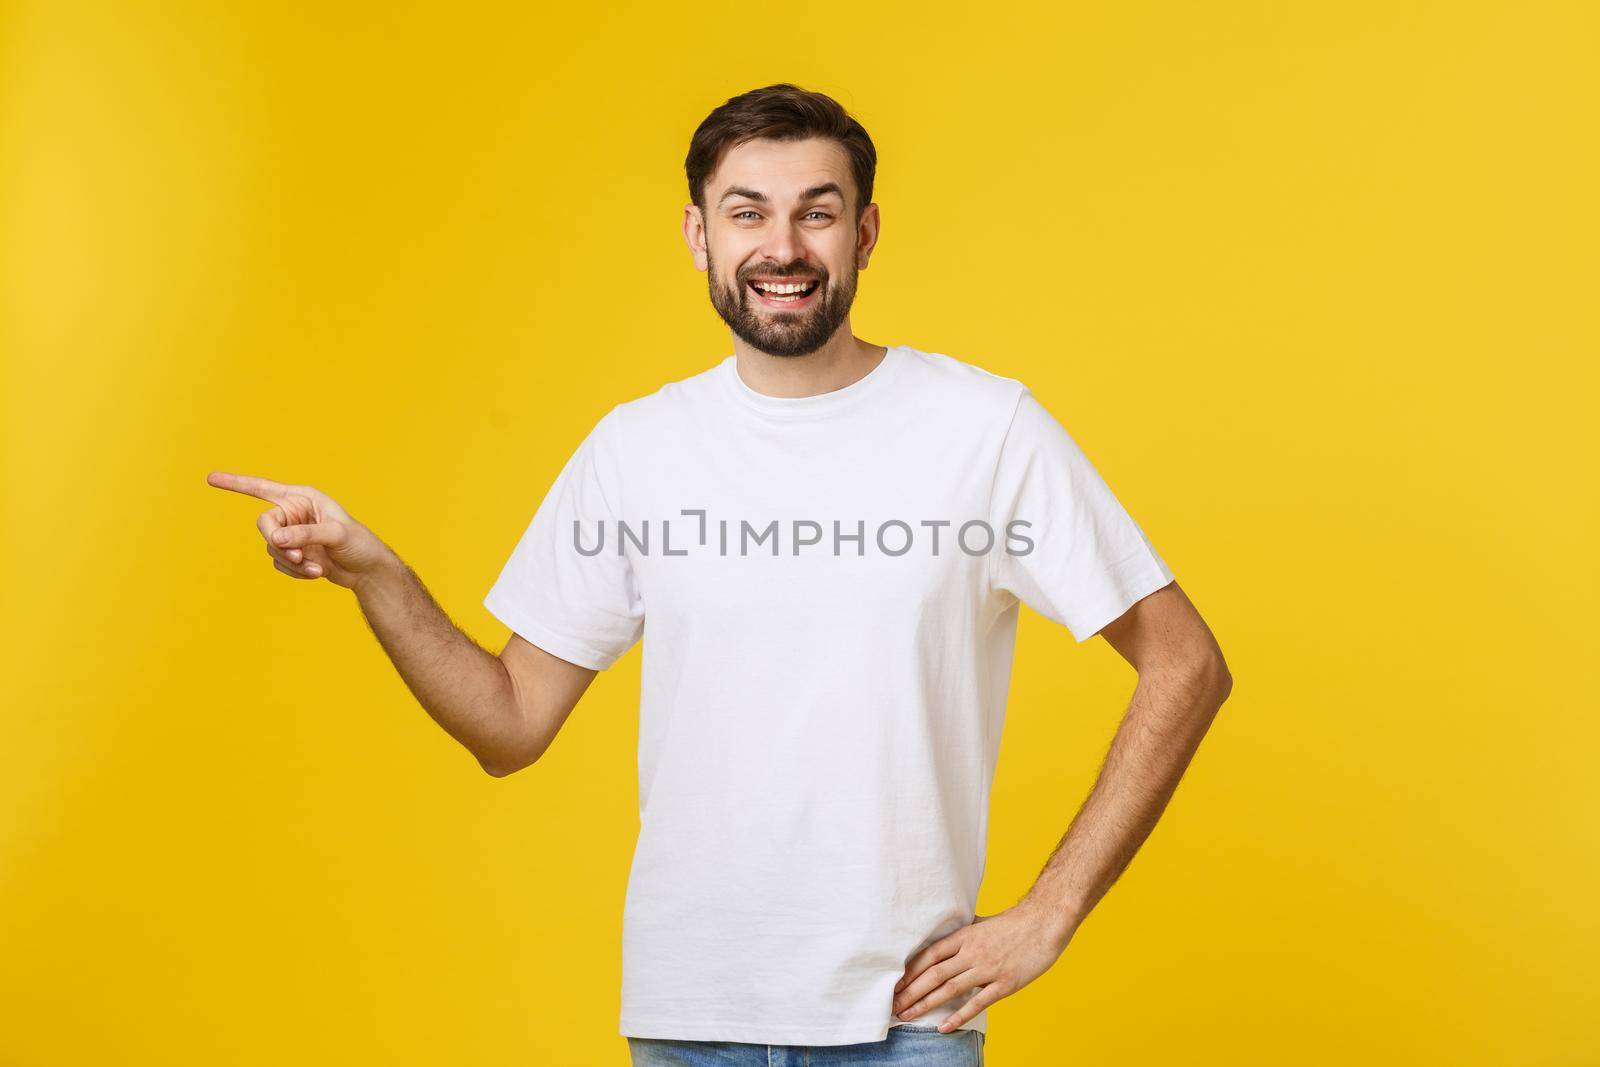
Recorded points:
(906,1046)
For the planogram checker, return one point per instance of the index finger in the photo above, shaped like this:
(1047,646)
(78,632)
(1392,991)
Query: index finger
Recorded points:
(262,488)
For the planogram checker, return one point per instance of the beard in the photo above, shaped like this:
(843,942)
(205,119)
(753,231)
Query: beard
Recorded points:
(775,331)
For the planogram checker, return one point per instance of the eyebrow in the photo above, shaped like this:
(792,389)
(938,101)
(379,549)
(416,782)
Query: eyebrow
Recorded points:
(813,193)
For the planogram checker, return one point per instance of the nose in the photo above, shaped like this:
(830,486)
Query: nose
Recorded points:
(783,242)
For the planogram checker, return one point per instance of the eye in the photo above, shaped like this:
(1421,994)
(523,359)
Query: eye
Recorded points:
(747,211)
(824,214)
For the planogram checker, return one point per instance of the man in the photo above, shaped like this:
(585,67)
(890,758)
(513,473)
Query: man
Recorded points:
(829,541)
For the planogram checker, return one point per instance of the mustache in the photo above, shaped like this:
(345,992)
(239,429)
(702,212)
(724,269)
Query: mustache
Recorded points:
(764,272)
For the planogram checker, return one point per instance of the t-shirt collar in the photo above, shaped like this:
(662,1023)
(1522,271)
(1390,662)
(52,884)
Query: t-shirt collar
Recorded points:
(821,404)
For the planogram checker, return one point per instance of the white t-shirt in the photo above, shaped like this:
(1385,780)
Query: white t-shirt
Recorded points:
(828,587)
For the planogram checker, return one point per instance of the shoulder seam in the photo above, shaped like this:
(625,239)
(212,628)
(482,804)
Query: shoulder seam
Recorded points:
(609,430)
(994,476)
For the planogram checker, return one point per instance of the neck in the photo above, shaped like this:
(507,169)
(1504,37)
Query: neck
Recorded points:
(844,360)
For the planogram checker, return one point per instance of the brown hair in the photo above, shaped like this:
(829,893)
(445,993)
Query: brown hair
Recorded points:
(782,112)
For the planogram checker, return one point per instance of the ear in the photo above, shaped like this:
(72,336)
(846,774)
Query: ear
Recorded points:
(694,234)
(866,236)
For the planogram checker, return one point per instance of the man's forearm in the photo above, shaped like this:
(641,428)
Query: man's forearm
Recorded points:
(1167,717)
(465,688)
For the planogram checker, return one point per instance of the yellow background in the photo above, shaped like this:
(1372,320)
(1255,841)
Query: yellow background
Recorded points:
(1313,286)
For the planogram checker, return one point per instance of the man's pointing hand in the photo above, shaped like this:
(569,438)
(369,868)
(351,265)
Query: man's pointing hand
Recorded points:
(308,535)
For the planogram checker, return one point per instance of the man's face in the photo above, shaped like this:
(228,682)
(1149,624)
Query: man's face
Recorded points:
(781,214)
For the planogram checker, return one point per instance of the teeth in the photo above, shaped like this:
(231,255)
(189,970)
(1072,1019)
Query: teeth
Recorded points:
(774,287)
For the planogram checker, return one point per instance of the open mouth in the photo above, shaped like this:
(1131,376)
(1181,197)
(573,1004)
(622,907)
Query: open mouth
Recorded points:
(785,294)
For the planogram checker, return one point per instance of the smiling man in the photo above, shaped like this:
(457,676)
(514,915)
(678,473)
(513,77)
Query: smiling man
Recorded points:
(796,307)
(825,543)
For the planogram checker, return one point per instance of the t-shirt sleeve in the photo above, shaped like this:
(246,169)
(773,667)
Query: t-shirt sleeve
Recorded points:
(1065,546)
(584,608)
